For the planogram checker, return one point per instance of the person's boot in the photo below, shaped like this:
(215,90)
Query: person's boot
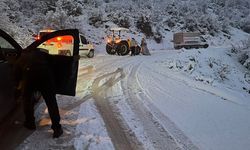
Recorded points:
(30,125)
(57,132)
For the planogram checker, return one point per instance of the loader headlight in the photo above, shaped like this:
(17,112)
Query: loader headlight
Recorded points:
(109,40)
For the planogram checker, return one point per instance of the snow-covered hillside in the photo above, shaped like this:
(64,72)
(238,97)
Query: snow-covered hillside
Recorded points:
(218,21)
(153,18)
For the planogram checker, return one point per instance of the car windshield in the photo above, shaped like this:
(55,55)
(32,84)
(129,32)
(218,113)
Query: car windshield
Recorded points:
(84,40)
(5,44)
(60,45)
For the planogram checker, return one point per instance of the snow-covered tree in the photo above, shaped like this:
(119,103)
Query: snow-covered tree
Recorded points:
(206,16)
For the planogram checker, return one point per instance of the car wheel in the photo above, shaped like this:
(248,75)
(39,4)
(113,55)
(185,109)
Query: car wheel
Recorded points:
(178,47)
(110,50)
(187,47)
(122,48)
(91,54)
(68,53)
(205,46)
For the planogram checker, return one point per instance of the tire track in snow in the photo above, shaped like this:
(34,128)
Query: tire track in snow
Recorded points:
(184,142)
(115,128)
(159,137)
(89,70)
(88,73)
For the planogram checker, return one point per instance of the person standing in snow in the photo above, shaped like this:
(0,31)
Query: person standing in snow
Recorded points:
(144,48)
(133,45)
(34,73)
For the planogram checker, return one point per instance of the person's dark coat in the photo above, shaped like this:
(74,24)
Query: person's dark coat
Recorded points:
(34,73)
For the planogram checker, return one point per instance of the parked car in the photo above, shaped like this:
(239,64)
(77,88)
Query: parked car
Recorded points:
(189,40)
(64,45)
(65,67)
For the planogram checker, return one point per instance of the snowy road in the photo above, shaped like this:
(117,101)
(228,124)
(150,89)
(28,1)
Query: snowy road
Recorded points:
(165,101)
(116,125)
(145,131)
(117,128)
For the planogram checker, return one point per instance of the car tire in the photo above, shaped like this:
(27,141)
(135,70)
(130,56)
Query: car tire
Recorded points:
(68,53)
(91,54)
(205,46)
(178,47)
(110,50)
(122,48)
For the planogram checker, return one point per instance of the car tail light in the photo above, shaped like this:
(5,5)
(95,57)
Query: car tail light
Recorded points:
(64,39)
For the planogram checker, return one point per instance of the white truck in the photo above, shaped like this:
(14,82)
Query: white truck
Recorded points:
(189,40)
(63,45)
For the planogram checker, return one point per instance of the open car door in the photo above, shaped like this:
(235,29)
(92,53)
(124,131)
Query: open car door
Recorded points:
(65,68)
(9,51)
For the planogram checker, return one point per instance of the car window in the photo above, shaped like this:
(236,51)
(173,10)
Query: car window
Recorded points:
(65,68)
(60,45)
(5,44)
(8,53)
(84,40)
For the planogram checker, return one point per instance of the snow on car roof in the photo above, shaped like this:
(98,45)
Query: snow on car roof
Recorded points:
(47,30)
(119,29)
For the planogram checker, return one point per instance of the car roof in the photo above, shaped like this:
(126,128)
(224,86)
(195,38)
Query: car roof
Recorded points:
(50,30)
(189,33)
(47,30)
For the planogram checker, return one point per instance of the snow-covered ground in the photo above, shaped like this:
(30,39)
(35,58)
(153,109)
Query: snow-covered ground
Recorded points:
(212,110)
(173,99)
